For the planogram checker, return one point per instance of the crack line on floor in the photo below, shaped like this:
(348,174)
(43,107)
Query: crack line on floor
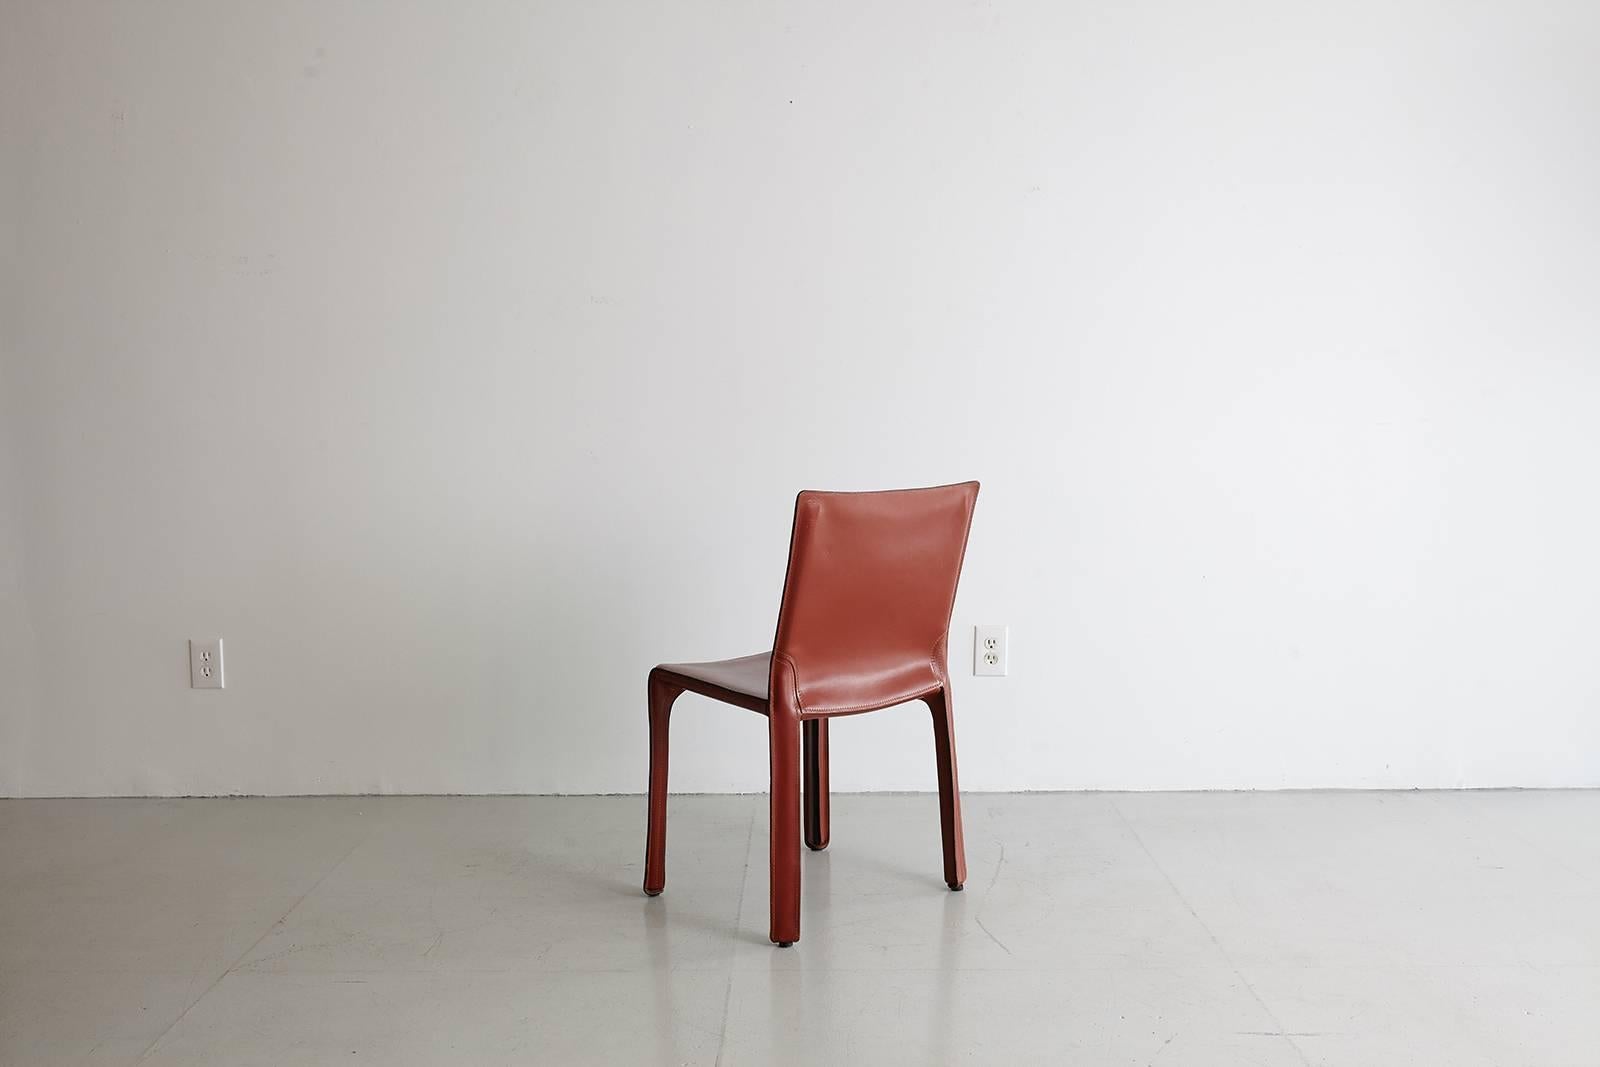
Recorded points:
(1237,973)
(246,953)
(977,916)
(738,928)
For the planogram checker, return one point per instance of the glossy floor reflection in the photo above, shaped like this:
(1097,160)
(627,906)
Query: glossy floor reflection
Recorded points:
(1287,928)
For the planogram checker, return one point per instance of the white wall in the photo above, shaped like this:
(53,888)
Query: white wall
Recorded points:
(456,362)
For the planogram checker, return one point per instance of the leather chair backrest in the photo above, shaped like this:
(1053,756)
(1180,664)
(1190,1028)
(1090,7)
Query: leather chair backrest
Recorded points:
(867,601)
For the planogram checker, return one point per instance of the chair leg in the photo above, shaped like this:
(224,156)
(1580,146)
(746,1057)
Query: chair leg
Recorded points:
(662,695)
(816,784)
(784,740)
(944,744)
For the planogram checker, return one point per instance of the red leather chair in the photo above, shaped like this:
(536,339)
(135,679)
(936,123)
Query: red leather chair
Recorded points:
(864,624)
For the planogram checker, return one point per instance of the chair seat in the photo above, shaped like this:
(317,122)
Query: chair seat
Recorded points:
(725,679)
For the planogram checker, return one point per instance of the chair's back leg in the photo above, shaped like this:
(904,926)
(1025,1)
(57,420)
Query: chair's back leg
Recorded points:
(662,695)
(944,744)
(816,783)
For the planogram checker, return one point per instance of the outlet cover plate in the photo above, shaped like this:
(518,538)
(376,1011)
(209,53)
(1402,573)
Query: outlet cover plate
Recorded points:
(205,663)
(989,654)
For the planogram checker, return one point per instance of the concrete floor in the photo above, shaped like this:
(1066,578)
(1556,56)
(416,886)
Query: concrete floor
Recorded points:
(1291,928)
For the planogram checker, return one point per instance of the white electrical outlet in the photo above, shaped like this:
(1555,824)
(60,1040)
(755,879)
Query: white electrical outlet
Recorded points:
(989,650)
(205,663)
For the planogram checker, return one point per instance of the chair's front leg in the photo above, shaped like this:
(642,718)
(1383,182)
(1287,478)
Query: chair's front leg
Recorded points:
(662,695)
(783,727)
(815,732)
(944,746)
